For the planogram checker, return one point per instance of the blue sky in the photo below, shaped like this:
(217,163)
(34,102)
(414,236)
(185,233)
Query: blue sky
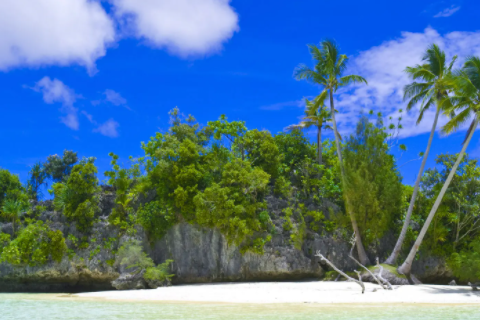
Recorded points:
(101,76)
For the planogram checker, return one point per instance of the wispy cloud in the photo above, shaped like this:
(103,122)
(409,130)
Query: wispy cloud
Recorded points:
(109,128)
(55,91)
(383,66)
(447,12)
(283,105)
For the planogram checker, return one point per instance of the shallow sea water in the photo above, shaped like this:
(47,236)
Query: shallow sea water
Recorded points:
(52,307)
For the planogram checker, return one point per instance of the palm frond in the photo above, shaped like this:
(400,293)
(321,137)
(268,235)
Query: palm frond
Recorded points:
(457,121)
(472,71)
(346,80)
(436,60)
(415,89)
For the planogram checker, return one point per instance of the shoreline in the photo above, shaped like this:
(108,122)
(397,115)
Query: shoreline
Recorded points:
(317,292)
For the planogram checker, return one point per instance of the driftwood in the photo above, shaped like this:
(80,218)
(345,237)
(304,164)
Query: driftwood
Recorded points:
(474,286)
(385,281)
(359,282)
(353,242)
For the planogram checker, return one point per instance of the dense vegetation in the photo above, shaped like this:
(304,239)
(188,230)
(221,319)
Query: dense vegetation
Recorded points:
(222,176)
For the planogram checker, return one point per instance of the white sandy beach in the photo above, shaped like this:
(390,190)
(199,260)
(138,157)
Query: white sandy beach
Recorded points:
(297,292)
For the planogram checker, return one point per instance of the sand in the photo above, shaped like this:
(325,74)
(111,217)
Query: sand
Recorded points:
(297,292)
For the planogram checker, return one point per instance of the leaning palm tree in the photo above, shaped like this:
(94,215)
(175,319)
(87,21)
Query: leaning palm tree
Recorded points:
(328,74)
(13,209)
(466,84)
(430,91)
(315,116)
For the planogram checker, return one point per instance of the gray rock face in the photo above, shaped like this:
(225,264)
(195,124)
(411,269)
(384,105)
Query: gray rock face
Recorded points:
(199,255)
(203,255)
(432,270)
(129,281)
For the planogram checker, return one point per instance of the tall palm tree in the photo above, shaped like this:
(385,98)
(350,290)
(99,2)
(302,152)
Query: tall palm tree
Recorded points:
(315,116)
(466,84)
(13,209)
(431,91)
(328,74)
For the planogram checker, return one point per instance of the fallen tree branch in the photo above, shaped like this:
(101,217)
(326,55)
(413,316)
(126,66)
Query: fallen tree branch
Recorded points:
(371,273)
(353,241)
(474,286)
(381,277)
(360,283)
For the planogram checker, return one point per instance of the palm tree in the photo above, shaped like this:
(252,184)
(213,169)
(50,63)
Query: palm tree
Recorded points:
(315,116)
(328,74)
(466,83)
(13,209)
(37,178)
(432,90)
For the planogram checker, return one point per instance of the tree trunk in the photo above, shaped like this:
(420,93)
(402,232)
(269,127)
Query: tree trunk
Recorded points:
(319,143)
(398,246)
(13,226)
(362,255)
(406,267)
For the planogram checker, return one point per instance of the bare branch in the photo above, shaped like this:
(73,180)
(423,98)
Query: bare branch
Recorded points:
(382,278)
(360,283)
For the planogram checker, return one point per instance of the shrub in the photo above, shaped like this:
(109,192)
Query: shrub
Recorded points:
(159,273)
(76,197)
(131,256)
(156,219)
(35,245)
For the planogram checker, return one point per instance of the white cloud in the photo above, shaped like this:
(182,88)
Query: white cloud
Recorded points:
(53,32)
(383,67)
(184,27)
(55,91)
(115,98)
(109,128)
(447,12)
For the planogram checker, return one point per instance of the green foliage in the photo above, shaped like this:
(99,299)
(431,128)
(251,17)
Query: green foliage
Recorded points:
(122,180)
(373,182)
(35,245)
(262,151)
(234,205)
(131,256)
(294,147)
(58,168)
(456,223)
(4,241)
(38,177)
(159,273)
(175,166)
(10,188)
(466,263)
(13,209)
(156,219)
(76,197)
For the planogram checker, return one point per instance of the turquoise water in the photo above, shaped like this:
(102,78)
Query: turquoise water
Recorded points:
(23,306)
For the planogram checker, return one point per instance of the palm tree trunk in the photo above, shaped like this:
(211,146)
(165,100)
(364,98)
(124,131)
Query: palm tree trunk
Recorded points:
(398,246)
(319,144)
(362,255)
(406,267)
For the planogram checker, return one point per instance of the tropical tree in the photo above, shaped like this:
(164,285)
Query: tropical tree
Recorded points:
(13,209)
(466,83)
(37,179)
(431,90)
(315,116)
(328,74)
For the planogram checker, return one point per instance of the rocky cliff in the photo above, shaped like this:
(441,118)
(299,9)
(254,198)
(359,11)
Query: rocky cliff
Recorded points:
(200,255)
